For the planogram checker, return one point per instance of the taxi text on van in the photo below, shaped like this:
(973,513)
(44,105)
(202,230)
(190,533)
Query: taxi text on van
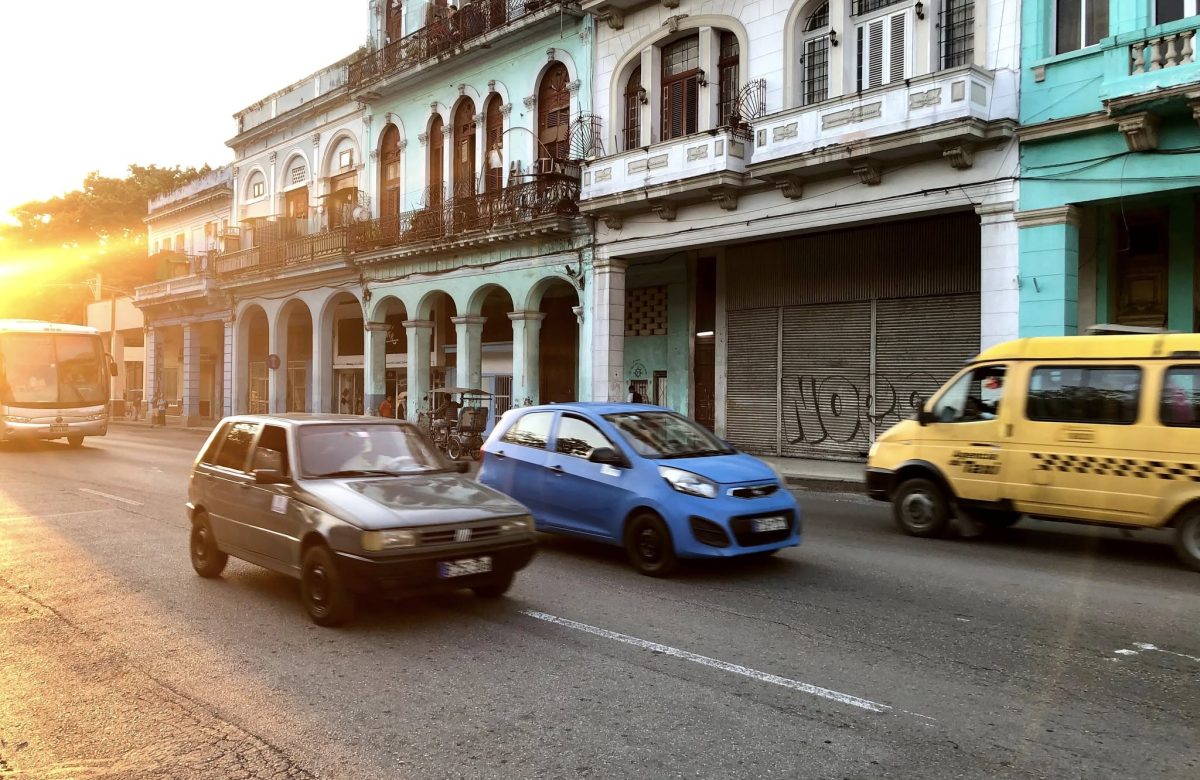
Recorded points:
(1091,429)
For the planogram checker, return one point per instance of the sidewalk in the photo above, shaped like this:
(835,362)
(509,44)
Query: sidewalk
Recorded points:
(172,425)
(824,475)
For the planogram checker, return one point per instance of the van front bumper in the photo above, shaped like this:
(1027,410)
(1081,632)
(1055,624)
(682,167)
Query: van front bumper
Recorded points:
(44,430)
(402,574)
(880,483)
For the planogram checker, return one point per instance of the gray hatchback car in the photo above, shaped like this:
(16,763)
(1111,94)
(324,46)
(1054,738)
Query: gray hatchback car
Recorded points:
(350,505)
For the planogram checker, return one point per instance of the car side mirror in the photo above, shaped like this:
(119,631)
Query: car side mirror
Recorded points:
(925,418)
(462,467)
(607,456)
(269,477)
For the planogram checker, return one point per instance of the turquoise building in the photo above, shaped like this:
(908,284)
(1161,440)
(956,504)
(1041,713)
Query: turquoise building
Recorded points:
(1110,165)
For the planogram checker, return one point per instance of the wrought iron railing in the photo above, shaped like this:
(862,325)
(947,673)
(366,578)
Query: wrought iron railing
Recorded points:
(444,34)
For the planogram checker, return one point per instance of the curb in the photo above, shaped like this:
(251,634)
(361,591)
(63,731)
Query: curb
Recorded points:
(825,485)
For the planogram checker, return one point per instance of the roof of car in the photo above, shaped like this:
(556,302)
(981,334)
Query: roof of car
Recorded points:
(598,407)
(298,418)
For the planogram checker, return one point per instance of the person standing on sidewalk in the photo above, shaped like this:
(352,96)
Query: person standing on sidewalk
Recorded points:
(386,409)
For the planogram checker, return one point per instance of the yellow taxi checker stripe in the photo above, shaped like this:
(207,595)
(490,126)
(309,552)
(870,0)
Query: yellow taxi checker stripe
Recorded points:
(1116,467)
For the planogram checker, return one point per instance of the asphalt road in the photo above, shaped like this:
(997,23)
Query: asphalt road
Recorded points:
(1049,651)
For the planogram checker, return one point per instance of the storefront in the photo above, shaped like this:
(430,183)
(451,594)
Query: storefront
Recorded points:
(838,335)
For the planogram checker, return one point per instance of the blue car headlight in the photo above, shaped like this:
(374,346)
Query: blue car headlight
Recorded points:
(687,482)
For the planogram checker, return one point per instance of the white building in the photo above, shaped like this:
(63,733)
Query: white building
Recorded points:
(813,202)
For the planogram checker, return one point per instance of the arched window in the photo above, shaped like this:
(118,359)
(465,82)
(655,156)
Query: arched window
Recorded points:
(256,186)
(464,149)
(554,113)
(727,78)
(389,172)
(494,129)
(814,56)
(681,88)
(436,175)
(635,95)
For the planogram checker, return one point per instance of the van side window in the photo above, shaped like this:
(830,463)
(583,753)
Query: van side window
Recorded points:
(973,398)
(1181,397)
(1084,394)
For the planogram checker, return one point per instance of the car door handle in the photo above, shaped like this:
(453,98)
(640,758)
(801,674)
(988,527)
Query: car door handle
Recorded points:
(557,470)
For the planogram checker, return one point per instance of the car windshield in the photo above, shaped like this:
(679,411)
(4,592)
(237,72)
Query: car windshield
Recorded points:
(660,435)
(361,450)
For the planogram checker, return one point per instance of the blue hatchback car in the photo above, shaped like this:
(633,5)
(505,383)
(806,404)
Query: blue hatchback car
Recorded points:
(643,477)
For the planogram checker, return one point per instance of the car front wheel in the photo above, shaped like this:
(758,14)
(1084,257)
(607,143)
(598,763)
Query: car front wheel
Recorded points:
(920,508)
(325,596)
(649,547)
(207,559)
(1187,539)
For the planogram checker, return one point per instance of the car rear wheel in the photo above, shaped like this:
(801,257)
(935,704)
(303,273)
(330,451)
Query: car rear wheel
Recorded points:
(649,547)
(494,589)
(325,596)
(920,508)
(1187,539)
(207,559)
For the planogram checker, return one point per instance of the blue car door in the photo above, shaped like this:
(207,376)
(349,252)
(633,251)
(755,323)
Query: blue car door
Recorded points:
(517,462)
(582,496)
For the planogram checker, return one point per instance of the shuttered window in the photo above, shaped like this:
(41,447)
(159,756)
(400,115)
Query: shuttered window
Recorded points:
(389,166)
(554,113)
(495,139)
(464,149)
(884,47)
(681,88)
(436,176)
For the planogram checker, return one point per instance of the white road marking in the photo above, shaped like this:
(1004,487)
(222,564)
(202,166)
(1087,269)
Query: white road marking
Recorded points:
(725,666)
(50,516)
(1155,648)
(129,501)
(1125,652)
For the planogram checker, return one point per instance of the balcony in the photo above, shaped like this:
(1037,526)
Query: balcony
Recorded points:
(475,26)
(544,206)
(945,114)
(280,252)
(695,167)
(193,285)
(1152,65)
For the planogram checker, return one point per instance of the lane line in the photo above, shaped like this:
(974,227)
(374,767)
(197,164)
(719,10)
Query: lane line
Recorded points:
(129,501)
(50,516)
(703,660)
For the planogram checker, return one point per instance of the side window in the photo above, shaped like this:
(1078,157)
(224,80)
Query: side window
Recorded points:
(976,396)
(1084,394)
(579,438)
(237,446)
(210,454)
(532,430)
(271,452)
(1181,397)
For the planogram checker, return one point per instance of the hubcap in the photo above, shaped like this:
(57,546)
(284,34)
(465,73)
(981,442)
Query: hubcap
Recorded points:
(318,586)
(917,510)
(648,545)
(200,545)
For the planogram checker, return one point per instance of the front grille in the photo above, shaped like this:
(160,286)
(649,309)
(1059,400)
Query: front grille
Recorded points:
(708,532)
(746,537)
(453,535)
(753,491)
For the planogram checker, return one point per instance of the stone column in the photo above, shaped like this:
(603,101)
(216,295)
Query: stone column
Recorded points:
(374,371)
(321,381)
(153,344)
(608,329)
(191,375)
(469,353)
(1049,271)
(526,355)
(999,298)
(419,332)
(227,374)
(277,377)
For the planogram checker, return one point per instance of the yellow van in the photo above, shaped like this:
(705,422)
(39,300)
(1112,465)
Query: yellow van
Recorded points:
(1088,429)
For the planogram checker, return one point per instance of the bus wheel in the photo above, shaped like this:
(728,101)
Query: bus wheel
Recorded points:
(1187,539)
(75,441)
(920,508)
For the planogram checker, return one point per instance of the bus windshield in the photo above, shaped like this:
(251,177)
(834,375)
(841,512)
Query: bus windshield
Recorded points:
(52,370)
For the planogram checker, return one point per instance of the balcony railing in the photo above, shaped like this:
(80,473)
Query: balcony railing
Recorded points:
(1166,51)
(443,35)
(280,253)
(547,195)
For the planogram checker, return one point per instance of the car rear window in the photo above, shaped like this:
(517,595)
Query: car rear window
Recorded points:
(530,430)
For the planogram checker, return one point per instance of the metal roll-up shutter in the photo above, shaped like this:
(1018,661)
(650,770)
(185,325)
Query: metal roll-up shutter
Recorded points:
(920,343)
(826,380)
(752,371)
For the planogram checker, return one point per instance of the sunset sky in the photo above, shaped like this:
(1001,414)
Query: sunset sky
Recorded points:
(98,85)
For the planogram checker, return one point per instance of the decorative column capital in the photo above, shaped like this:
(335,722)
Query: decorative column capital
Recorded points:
(491,86)
(869,172)
(402,144)
(271,157)
(527,316)
(960,155)
(316,140)
(1055,215)
(506,110)
(1140,131)
(609,265)
(469,320)
(447,130)
(573,87)
(992,213)
(423,138)
(418,324)
(530,101)
(374,155)
(478,117)
(613,221)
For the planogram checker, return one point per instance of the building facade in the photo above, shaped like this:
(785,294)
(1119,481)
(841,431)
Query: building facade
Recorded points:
(812,204)
(1110,165)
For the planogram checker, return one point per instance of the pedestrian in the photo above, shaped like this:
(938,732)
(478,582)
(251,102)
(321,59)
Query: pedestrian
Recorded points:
(386,409)
(634,396)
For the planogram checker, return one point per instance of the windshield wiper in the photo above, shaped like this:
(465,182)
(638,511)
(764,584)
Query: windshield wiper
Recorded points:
(357,473)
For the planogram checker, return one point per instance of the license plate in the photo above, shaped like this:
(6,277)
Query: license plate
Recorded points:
(766,524)
(465,567)
(60,429)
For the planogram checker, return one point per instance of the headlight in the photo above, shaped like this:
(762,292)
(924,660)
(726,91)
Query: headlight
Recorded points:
(871,452)
(14,418)
(96,417)
(687,482)
(374,541)
(516,525)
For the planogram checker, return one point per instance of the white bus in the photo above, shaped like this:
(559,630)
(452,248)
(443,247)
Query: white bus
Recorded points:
(54,381)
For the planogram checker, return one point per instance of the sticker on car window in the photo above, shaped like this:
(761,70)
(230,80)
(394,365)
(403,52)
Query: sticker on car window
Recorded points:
(279,504)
